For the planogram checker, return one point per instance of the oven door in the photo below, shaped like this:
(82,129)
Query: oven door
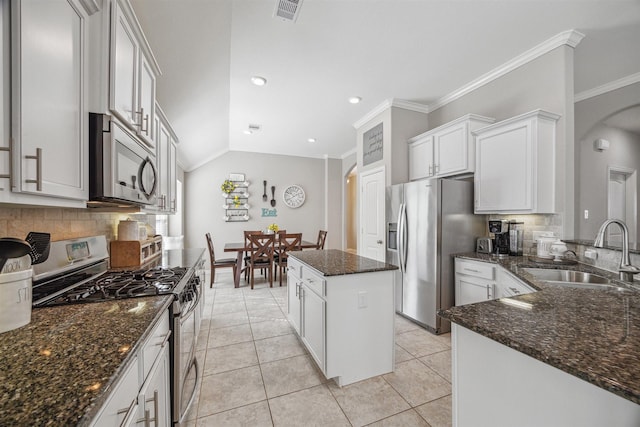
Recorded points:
(186,369)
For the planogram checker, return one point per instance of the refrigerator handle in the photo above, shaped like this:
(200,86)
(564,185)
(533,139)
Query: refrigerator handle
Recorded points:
(399,237)
(402,238)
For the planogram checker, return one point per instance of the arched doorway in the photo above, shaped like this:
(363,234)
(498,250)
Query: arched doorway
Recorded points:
(351,211)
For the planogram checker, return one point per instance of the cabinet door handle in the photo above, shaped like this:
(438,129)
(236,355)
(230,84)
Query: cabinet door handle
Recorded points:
(437,168)
(155,407)
(165,339)
(471,270)
(38,159)
(147,422)
(379,242)
(143,128)
(127,413)
(488,292)
(297,288)
(430,170)
(514,290)
(7,175)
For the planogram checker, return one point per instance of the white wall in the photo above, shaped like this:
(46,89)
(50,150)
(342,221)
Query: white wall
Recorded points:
(204,201)
(590,164)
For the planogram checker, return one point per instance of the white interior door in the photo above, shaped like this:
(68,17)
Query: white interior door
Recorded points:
(621,203)
(372,184)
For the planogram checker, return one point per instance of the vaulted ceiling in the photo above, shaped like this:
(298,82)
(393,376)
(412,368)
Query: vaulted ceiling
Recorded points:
(415,50)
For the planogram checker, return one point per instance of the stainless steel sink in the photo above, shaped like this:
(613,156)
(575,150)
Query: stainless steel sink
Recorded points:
(577,279)
(551,275)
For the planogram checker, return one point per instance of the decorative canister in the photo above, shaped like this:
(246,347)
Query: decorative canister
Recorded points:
(15,299)
(128,230)
(544,246)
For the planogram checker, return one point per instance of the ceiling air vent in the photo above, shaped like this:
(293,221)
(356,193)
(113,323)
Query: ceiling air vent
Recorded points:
(288,9)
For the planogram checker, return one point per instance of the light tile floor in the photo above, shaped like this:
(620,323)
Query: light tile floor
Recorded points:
(257,373)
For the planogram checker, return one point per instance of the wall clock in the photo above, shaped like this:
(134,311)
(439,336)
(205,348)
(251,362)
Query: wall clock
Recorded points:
(293,196)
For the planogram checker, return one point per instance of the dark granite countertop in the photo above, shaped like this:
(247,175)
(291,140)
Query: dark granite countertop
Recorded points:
(60,368)
(589,333)
(333,262)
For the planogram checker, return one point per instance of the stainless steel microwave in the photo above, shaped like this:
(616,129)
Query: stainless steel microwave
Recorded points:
(121,170)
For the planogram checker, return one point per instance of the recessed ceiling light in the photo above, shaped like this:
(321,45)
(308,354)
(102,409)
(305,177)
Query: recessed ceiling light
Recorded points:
(311,140)
(355,99)
(258,80)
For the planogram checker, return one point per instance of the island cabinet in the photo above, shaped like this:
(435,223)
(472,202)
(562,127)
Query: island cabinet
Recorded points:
(515,165)
(342,307)
(446,150)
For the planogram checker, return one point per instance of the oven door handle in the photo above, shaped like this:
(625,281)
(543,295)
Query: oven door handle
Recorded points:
(193,306)
(193,393)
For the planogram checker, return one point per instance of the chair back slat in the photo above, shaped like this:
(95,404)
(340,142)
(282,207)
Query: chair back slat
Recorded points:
(289,242)
(262,246)
(322,236)
(212,255)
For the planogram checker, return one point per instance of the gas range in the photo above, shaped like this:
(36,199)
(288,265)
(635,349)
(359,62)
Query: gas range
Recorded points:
(77,272)
(112,284)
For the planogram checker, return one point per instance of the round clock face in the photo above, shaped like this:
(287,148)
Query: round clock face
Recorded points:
(293,196)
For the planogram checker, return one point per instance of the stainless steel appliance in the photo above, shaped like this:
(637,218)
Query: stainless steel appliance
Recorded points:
(76,272)
(500,230)
(427,221)
(122,169)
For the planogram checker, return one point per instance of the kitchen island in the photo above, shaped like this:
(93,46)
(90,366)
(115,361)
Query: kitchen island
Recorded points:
(342,307)
(558,356)
(71,360)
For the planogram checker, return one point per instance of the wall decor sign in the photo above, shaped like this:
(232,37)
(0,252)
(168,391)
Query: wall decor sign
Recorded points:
(269,212)
(372,145)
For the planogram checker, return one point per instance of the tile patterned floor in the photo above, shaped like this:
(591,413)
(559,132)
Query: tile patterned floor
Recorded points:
(257,373)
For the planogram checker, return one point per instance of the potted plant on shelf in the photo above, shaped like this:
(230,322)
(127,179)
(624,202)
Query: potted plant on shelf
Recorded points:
(236,201)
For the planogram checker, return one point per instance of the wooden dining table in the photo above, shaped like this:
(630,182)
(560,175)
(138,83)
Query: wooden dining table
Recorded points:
(241,248)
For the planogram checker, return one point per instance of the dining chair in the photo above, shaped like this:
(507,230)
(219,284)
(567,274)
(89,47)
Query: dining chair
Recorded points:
(286,243)
(262,247)
(218,263)
(247,256)
(322,236)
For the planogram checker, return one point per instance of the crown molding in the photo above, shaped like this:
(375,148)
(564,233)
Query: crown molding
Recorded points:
(346,154)
(388,103)
(570,38)
(91,6)
(607,87)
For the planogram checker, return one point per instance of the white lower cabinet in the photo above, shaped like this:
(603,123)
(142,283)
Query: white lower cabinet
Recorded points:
(474,282)
(313,333)
(477,281)
(154,400)
(495,385)
(142,394)
(346,321)
(510,286)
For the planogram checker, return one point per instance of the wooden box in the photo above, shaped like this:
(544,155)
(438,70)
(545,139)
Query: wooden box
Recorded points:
(134,253)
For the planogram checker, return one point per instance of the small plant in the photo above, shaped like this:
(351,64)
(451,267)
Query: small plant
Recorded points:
(273,227)
(228,186)
(236,201)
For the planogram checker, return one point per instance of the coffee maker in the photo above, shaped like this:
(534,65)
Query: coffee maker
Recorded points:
(500,231)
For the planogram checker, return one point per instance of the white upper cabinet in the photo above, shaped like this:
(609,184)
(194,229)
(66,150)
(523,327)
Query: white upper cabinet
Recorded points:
(446,150)
(166,161)
(48,103)
(515,165)
(133,73)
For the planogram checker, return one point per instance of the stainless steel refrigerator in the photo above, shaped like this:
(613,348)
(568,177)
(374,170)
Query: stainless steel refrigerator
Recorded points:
(427,221)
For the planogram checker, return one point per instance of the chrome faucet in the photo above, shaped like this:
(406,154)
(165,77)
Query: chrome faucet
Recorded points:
(626,270)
